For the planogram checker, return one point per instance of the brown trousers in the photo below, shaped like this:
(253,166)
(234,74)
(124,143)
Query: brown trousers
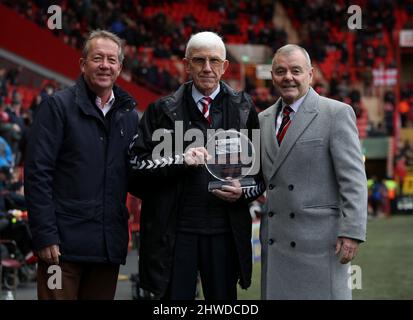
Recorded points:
(79,281)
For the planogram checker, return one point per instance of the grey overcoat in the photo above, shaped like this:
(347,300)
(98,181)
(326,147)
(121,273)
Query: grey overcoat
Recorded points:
(316,192)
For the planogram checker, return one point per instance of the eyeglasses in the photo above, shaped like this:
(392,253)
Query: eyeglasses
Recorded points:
(214,62)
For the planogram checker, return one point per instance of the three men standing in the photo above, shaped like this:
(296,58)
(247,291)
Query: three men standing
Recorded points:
(76,183)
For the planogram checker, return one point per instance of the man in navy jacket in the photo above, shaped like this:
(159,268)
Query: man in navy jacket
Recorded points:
(76,177)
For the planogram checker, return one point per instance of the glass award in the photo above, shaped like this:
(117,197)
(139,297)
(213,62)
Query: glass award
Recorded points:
(231,157)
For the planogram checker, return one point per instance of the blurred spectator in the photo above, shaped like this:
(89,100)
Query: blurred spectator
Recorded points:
(377,196)
(12,75)
(404,108)
(18,125)
(3,85)
(367,79)
(389,102)
(377,130)
(6,155)
(15,111)
(391,186)
(400,172)
(11,132)
(48,88)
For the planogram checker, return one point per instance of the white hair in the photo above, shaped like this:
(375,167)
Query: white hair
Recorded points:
(289,48)
(205,39)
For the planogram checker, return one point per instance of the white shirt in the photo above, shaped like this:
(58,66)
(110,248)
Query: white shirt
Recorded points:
(293,106)
(108,105)
(197,96)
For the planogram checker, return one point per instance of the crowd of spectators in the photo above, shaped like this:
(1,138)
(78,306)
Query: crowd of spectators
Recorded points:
(324,22)
(322,28)
(13,119)
(405,108)
(14,122)
(158,33)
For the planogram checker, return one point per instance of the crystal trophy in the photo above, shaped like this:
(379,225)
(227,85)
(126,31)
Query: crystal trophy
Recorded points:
(231,157)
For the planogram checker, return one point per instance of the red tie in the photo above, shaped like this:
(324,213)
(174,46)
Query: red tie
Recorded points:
(285,123)
(205,102)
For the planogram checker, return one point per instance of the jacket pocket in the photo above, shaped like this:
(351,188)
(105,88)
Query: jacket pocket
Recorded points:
(322,209)
(309,142)
(317,206)
(81,209)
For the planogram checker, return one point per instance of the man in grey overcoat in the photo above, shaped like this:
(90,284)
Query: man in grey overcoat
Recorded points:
(316,211)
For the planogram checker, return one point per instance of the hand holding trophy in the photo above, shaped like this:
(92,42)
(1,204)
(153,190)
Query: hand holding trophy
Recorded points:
(231,156)
(196,156)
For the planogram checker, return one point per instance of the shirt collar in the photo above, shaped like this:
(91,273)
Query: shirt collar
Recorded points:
(296,104)
(196,95)
(108,104)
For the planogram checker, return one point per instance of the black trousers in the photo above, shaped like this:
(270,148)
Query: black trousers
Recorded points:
(214,256)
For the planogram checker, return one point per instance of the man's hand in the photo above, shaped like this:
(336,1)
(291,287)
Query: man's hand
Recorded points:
(347,249)
(196,156)
(50,254)
(229,193)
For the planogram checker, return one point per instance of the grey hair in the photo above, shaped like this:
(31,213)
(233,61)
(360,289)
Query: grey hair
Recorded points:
(288,49)
(205,39)
(106,35)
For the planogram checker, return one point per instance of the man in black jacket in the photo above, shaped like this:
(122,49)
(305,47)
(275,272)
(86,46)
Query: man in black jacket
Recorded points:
(184,228)
(76,177)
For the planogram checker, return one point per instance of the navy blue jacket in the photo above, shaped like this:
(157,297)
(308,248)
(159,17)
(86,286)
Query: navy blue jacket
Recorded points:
(76,175)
